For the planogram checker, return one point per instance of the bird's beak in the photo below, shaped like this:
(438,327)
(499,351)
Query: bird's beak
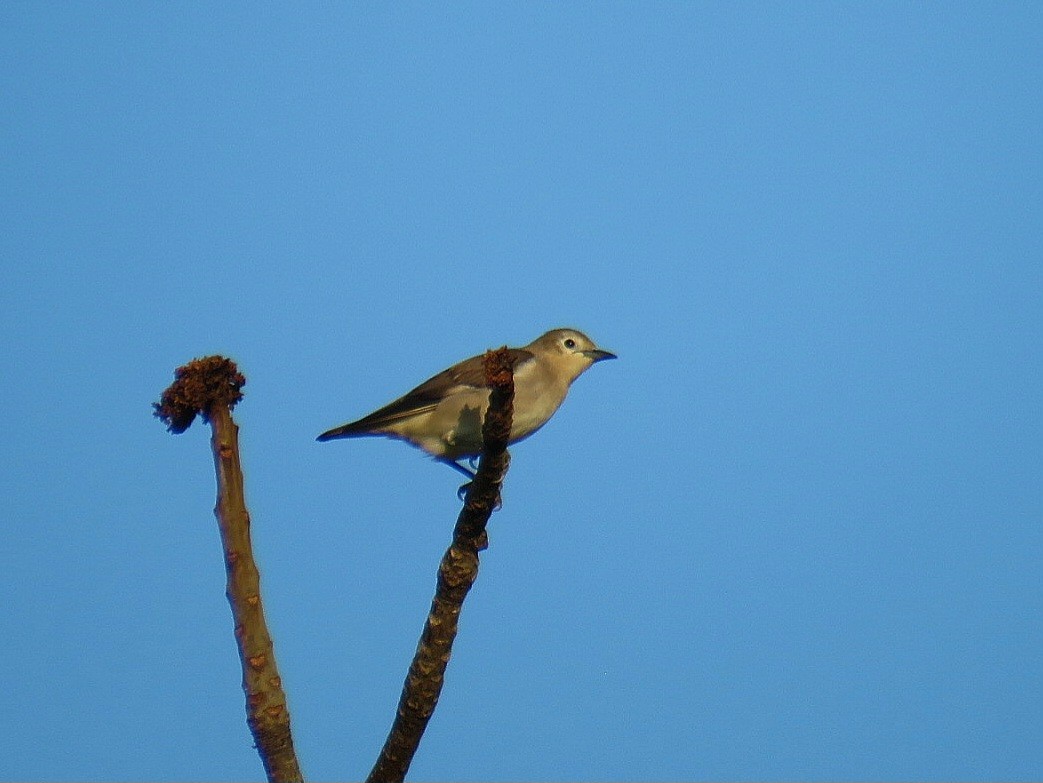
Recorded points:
(597,355)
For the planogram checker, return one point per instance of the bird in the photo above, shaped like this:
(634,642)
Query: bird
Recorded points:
(443,416)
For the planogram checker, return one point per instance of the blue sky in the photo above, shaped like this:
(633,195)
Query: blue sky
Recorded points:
(793,533)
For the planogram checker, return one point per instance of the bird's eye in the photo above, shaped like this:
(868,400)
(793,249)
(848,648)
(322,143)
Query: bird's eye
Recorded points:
(569,343)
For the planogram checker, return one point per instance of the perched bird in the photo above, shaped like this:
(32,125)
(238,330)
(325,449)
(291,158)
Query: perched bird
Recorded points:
(444,415)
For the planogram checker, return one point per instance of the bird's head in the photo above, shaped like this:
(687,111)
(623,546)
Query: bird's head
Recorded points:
(569,350)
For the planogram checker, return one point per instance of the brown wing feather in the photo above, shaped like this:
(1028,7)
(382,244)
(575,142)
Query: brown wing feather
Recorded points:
(470,372)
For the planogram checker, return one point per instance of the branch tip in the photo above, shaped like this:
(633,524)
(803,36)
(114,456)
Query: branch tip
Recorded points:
(499,367)
(199,387)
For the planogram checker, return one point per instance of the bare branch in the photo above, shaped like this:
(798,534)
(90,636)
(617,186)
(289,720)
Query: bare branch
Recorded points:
(456,575)
(211,387)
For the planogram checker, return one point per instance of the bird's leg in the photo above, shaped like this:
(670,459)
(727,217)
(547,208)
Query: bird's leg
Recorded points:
(473,462)
(457,466)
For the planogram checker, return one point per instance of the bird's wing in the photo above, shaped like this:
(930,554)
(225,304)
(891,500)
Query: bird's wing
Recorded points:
(426,396)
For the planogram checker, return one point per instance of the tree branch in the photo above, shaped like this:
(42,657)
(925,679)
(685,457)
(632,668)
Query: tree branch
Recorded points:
(210,387)
(456,575)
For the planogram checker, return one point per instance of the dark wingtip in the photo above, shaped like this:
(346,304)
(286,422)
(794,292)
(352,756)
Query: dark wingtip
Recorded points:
(344,431)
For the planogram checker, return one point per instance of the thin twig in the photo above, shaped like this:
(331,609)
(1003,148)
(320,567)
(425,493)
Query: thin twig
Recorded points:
(456,575)
(211,387)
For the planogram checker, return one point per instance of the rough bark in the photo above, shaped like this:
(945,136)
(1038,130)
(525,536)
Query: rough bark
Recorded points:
(456,574)
(210,387)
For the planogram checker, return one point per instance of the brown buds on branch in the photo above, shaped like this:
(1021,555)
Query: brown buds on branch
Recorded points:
(211,387)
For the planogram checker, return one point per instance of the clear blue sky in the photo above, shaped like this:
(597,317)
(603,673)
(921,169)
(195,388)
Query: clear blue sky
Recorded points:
(795,532)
